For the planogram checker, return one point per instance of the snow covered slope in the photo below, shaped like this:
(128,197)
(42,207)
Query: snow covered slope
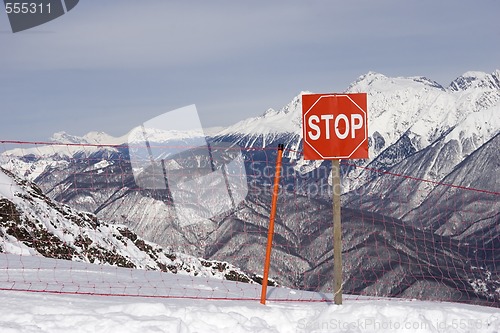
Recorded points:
(58,312)
(33,225)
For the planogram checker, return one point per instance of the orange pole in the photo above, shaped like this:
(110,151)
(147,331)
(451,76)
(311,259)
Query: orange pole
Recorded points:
(270,231)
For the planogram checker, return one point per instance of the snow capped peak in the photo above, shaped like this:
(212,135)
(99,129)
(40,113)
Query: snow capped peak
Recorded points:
(295,104)
(135,135)
(94,138)
(373,81)
(270,111)
(426,81)
(371,76)
(416,105)
(476,79)
(475,74)
(365,80)
(290,108)
(63,137)
(286,120)
(102,138)
(162,136)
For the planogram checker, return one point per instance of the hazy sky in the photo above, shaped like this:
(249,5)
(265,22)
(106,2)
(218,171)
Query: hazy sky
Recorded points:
(109,65)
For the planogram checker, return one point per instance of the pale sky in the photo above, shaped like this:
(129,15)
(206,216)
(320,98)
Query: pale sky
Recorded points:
(110,65)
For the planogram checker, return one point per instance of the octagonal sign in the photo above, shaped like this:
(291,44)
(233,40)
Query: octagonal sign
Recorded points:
(335,126)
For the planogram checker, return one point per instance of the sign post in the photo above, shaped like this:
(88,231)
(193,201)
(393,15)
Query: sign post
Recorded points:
(337,234)
(334,128)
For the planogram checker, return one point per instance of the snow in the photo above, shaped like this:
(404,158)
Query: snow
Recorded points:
(477,128)
(99,166)
(136,136)
(173,303)
(8,187)
(475,74)
(417,107)
(472,80)
(94,138)
(65,145)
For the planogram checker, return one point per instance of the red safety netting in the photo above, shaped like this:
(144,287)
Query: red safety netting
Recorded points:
(403,236)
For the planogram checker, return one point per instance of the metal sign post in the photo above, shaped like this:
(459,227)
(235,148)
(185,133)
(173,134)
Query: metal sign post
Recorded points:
(337,234)
(334,128)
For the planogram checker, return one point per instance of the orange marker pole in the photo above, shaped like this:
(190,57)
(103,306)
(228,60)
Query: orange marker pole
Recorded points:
(270,231)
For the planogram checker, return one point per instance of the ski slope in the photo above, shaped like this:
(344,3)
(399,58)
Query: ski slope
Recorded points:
(178,303)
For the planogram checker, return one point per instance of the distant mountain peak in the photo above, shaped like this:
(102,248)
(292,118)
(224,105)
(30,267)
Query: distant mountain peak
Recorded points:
(397,105)
(63,137)
(295,103)
(366,80)
(476,79)
(100,138)
(271,122)
(379,82)
(94,138)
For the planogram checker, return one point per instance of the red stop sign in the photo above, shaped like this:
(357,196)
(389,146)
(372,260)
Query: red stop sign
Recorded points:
(335,126)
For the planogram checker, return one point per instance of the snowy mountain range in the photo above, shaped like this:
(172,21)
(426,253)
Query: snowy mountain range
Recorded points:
(417,128)
(405,115)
